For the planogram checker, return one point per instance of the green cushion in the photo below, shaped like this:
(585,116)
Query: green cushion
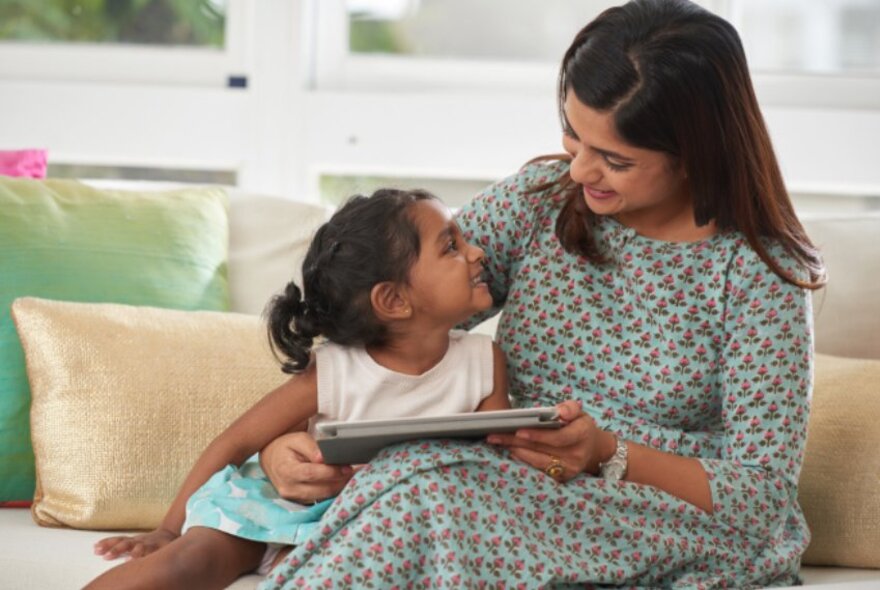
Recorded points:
(64,240)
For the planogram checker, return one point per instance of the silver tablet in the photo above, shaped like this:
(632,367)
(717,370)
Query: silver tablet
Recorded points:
(345,443)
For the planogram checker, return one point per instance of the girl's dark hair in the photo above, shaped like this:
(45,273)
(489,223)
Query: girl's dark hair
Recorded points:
(367,241)
(675,78)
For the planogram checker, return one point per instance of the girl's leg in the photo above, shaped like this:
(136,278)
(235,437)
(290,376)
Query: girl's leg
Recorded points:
(201,558)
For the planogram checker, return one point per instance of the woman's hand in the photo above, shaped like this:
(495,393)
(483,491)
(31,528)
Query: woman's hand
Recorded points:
(579,446)
(294,465)
(134,546)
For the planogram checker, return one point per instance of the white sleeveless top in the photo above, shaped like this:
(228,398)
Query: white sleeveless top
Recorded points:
(352,386)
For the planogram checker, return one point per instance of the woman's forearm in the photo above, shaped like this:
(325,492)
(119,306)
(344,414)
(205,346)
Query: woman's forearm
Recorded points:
(683,477)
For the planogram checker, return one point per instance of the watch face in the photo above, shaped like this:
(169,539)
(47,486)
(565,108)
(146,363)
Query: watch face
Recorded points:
(614,471)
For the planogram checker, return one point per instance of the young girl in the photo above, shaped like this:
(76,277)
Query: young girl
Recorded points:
(384,281)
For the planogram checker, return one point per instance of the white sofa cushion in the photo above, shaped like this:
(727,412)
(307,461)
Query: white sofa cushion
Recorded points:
(847,310)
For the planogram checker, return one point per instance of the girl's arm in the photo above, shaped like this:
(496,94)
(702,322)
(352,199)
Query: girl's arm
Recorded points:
(275,414)
(498,399)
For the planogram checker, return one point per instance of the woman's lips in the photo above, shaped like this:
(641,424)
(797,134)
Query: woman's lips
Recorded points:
(598,194)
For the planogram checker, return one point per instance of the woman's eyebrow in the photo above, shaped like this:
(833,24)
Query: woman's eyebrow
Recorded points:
(607,153)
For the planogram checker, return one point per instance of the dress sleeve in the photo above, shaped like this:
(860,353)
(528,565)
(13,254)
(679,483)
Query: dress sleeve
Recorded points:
(766,386)
(502,219)
(754,461)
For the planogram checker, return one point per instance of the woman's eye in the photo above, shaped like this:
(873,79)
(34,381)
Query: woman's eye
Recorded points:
(616,167)
(452,246)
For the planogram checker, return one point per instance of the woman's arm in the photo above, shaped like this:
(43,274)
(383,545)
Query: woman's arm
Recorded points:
(273,415)
(581,446)
(748,465)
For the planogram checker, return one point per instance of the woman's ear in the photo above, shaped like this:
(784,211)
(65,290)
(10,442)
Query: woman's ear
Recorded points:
(390,302)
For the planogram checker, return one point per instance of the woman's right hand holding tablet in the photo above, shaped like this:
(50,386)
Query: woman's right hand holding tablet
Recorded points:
(294,465)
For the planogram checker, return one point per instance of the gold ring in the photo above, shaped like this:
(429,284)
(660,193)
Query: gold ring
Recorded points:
(555,468)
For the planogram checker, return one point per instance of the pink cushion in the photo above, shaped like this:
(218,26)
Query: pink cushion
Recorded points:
(29,163)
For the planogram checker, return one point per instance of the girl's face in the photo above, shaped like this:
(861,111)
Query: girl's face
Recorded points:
(643,189)
(445,283)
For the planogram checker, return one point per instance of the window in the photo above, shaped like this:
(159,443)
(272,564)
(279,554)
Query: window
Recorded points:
(428,44)
(154,22)
(196,42)
(464,29)
(810,36)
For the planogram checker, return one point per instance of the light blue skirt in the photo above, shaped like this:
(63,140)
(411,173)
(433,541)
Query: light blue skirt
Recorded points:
(242,502)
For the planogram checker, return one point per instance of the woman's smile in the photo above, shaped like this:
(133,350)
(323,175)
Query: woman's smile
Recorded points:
(598,194)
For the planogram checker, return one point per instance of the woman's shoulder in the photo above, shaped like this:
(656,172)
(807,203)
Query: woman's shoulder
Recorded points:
(538,179)
(751,278)
(521,196)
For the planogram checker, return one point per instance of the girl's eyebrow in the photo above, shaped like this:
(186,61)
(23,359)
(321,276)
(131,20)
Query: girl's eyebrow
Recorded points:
(446,234)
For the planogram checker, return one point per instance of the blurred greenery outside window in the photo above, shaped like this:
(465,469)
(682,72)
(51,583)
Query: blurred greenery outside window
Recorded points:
(85,171)
(142,22)
(335,189)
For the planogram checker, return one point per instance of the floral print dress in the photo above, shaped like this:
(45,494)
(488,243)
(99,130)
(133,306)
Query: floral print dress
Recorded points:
(693,348)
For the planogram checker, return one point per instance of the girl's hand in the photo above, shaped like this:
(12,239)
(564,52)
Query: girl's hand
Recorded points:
(134,546)
(294,465)
(579,446)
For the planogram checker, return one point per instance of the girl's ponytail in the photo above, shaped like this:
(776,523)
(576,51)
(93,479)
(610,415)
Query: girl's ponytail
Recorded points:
(292,329)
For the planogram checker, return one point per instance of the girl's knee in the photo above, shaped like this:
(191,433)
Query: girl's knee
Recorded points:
(208,553)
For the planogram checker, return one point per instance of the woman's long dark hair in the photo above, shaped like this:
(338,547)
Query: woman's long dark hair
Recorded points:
(369,240)
(676,80)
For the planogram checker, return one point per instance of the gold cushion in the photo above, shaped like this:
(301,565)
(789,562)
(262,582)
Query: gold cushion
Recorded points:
(840,481)
(124,399)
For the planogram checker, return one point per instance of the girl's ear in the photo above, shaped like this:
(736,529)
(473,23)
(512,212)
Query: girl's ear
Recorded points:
(390,302)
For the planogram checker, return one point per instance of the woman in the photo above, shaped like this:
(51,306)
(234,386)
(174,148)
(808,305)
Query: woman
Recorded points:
(654,283)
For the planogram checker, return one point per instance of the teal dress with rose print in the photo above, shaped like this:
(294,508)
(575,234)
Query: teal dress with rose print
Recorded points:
(695,348)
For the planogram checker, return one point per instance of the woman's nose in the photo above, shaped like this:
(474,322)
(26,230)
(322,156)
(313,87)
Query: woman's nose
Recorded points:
(585,169)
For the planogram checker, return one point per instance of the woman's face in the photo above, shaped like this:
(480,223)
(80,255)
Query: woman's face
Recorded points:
(643,189)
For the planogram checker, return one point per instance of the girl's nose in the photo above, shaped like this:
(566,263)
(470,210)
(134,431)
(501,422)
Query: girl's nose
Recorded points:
(475,254)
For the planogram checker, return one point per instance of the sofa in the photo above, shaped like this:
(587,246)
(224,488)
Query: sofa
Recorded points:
(268,236)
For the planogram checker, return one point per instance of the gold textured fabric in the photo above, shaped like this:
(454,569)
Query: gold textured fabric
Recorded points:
(839,487)
(125,399)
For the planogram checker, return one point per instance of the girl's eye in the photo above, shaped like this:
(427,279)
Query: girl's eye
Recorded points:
(452,246)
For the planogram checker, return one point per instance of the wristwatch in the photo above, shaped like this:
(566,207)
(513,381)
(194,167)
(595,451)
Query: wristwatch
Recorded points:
(615,468)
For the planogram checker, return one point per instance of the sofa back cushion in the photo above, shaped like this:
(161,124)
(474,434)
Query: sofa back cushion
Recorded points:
(847,310)
(268,240)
